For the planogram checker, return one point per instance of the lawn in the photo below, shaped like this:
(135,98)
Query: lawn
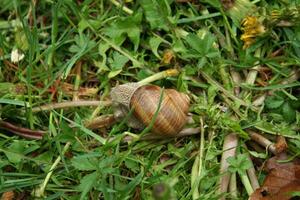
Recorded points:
(225,75)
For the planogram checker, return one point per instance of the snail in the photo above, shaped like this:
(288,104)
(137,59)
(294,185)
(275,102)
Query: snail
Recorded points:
(144,100)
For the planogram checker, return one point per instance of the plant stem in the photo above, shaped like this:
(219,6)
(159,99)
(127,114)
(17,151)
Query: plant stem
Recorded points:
(101,121)
(77,80)
(252,175)
(24,132)
(70,104)
(222,89)
(201,152)
(246,183)
(123,7)
(194,178)
(158,76)
(233,186)
(262,141)
(183,133)
(236,78)
(39,192)
(229,150)
(251,77)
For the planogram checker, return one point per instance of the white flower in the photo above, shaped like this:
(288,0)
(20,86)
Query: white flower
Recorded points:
(16,56)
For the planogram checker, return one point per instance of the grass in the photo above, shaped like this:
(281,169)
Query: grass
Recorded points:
(241,73)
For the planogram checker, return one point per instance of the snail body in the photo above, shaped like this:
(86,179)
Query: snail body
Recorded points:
(144,100)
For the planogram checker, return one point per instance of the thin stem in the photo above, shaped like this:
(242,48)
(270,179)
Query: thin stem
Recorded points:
(252,175)
(230,143)
(246,183)
(77,80)
(123,7)
(194,177)
(251,172)
(24,132)
(262,141)
(117,48)
(70,104)
(39,192)
(233,186)
(185,132)
(236,78)
(158,76)
(201,152)
(101,121)
(251,77)
(227,93)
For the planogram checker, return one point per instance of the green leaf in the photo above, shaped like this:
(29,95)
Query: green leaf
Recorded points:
(239,164)
(117,63)
(288,112)
(126,26)
(132,165)
(155,13)
(21,40)
(131,186)
(258,155)
(15,152)
(190,70)
(201,47)
(87,183)
(14,102)
(273,102)
(83,45)
(154,43)
(85,163)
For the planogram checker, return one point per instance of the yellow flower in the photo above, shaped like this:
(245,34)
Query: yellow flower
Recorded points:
(251,28)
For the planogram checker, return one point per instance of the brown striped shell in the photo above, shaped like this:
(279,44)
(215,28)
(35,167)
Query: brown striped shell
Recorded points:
(172,115)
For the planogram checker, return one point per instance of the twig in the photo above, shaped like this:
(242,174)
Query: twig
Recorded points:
(70,104)
(24,132)
(262,141)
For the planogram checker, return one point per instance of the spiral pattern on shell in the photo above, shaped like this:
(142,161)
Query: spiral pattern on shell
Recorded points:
(172,115)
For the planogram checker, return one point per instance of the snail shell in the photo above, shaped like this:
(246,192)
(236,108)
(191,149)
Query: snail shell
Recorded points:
(145,99)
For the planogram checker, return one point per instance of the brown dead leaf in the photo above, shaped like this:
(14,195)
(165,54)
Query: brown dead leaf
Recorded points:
(281,181)
(281,145)
(227,4)
(167,57)
(9,195)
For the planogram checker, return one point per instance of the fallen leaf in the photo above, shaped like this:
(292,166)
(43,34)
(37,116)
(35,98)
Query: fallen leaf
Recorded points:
(167,57)
(281,145)
(282,180)
(9,195)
